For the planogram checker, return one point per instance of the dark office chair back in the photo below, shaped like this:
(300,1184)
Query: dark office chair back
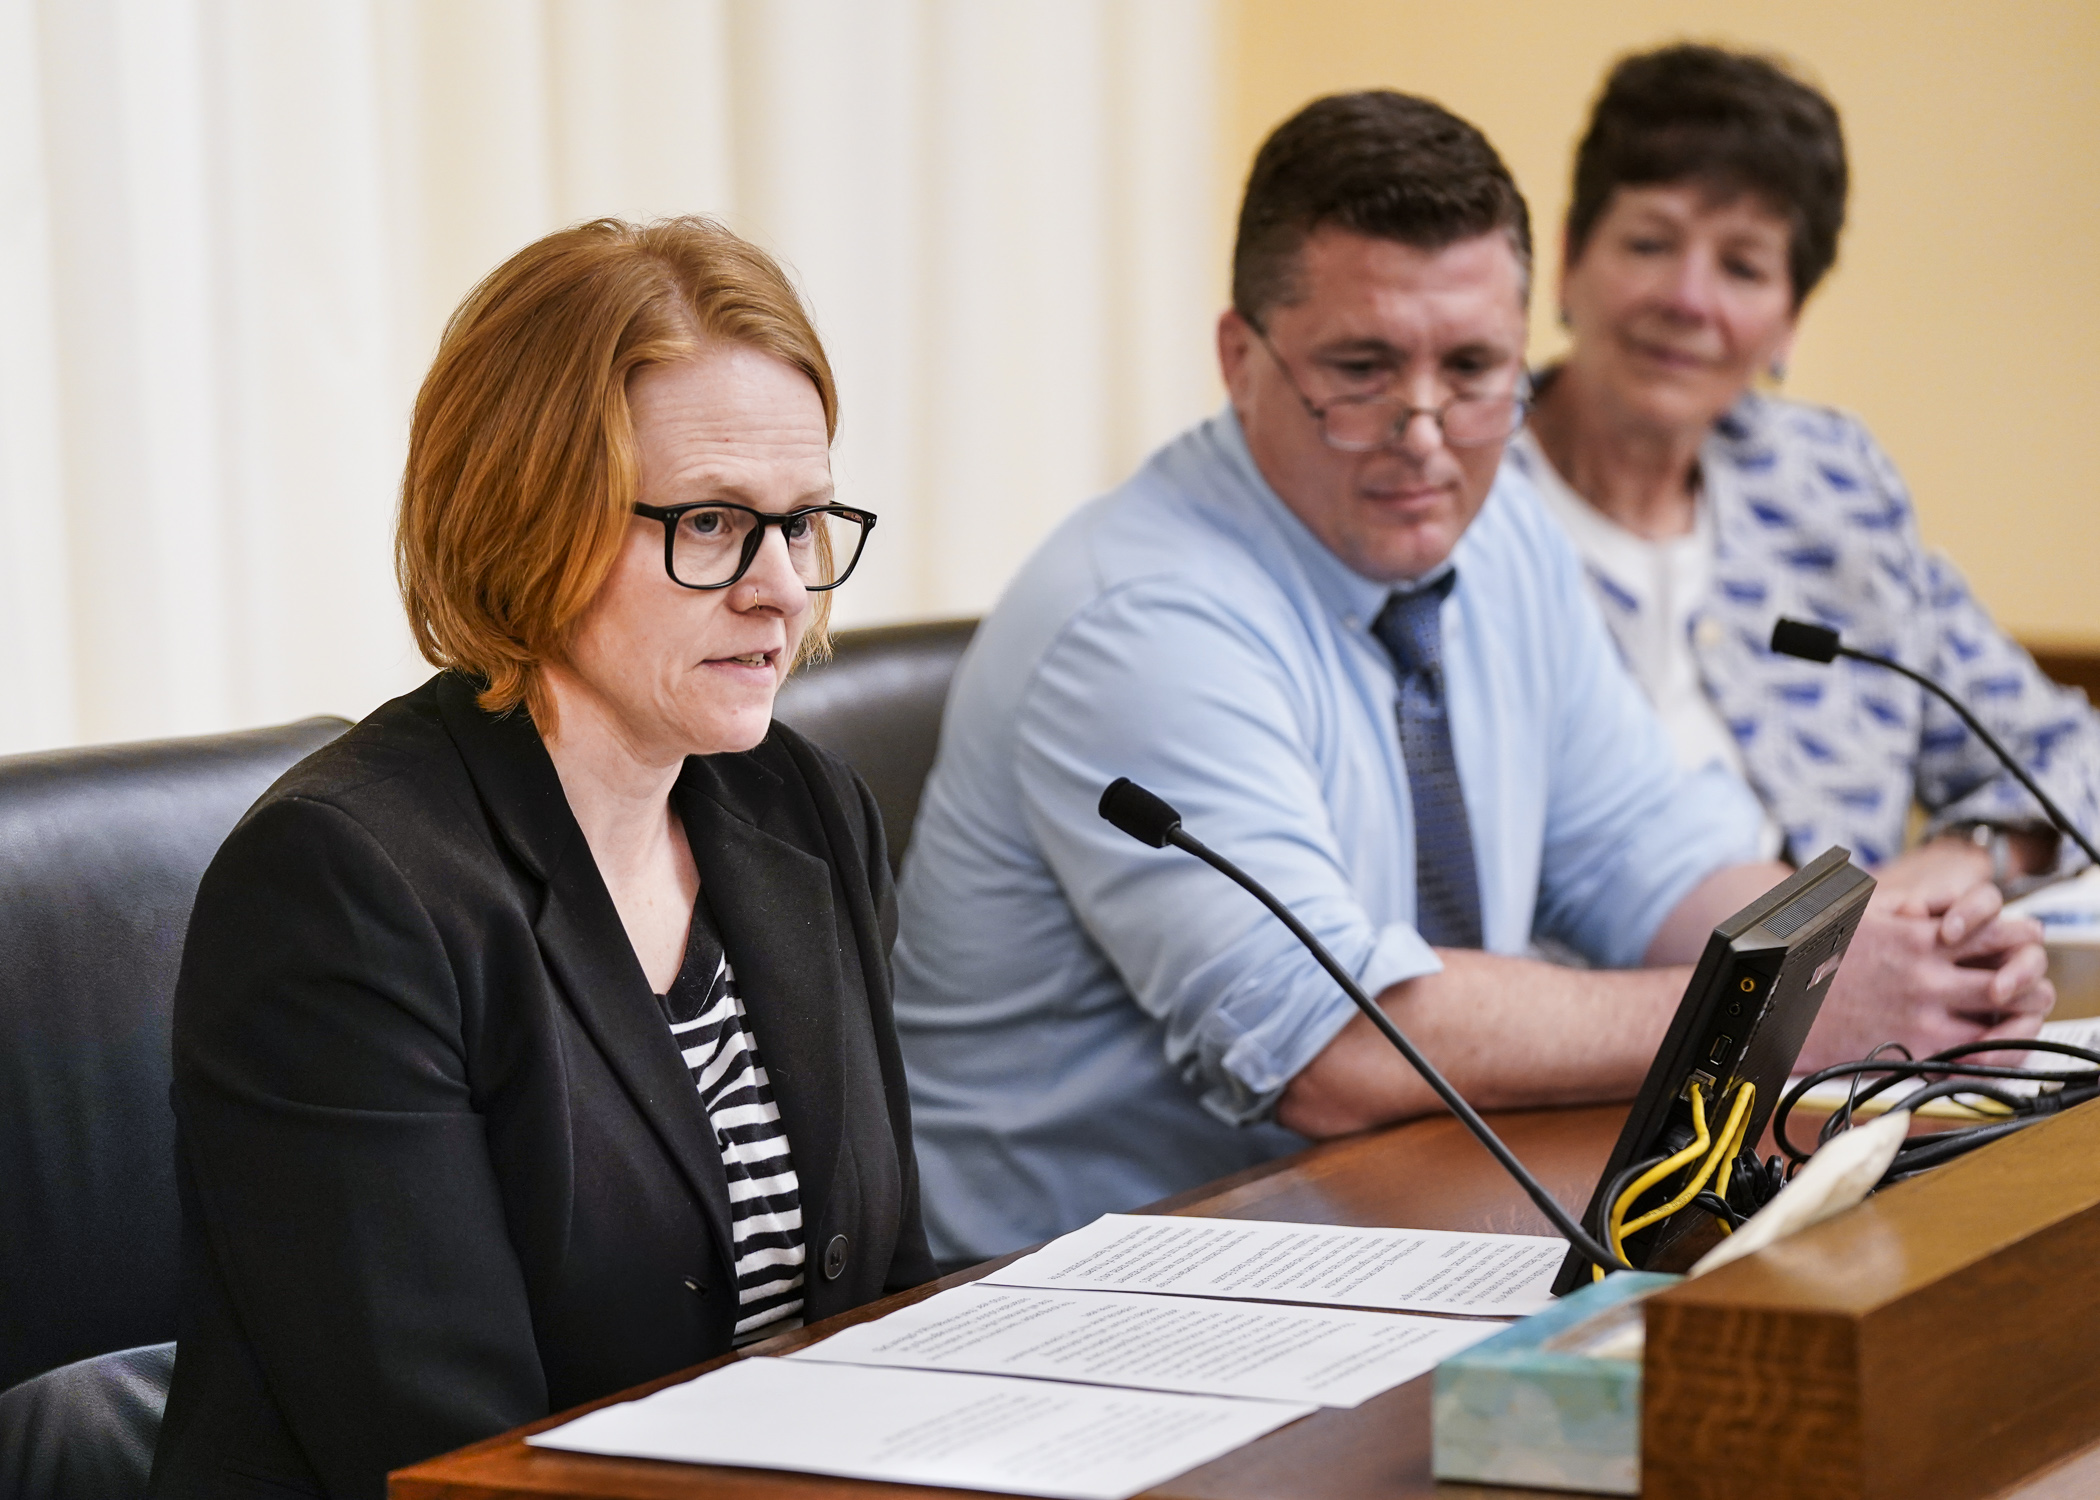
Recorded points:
(86,1429)
(878,704)
(100,854)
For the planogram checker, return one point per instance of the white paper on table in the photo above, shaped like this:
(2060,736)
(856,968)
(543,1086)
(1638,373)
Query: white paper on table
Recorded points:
(2083,1032)
(1414,1270)
(980,1432)
(2069,910)
(1829,1097)
(1331,1356)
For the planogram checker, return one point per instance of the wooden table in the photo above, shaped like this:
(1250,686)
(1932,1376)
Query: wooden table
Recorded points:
(1429,1174)
(2074,968)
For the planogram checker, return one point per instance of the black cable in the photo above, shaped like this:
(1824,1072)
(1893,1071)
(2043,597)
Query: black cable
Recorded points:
(1755,1183)
(1948,1074)
(1898,1071)
(1842,1119)
(2056,814)
(1958,1088)
(1939,1065)
(2078,1089)
(2028,1109)
(1751,1183)
(1940,1143)
(1149,819)
(1926,1152)
(2033,1044)
(1820,643)
(1548,1205)
(1718,1206)
(1618,1185)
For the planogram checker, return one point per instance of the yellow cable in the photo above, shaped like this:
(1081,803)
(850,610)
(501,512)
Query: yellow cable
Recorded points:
(1724,1150)
(1978,1106)
(1715,1151)
(1952,1107)
(1720,1185)
(1615,1236)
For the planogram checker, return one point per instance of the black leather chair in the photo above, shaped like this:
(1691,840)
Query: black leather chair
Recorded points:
(85,1431)
(878,702)
(100,854)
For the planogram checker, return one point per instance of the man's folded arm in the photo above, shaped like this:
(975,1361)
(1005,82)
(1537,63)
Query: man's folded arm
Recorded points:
(1640,861)
(1513,1032)
(1170,688)
(1507,1032)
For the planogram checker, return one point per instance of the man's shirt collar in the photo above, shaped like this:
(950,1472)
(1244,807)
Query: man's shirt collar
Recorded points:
(1354,599)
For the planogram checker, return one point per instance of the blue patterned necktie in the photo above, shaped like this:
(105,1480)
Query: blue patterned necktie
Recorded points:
(1447,887)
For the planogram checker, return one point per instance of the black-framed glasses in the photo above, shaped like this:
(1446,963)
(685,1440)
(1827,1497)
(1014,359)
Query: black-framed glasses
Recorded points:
(710,545)
(1360,424)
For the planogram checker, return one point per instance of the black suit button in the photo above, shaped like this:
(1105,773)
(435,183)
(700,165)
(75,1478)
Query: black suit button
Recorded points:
(694,1285)
(835,1258)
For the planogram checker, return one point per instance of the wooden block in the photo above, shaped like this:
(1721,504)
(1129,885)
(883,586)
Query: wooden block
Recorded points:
(1940,1341)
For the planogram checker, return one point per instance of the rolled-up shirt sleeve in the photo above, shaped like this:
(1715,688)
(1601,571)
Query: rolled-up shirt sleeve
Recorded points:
(1189,698)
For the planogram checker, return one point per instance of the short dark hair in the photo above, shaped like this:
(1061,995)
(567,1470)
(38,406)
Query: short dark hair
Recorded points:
(1731,121)
(1377,163)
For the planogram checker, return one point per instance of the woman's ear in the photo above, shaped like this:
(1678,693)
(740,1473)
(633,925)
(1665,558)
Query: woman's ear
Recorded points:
(1782,355)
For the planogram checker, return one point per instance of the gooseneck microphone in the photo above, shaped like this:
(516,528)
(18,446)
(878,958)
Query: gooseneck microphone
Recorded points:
(1151,820)
(1819,643)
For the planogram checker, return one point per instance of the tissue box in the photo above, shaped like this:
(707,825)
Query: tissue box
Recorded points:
(1553,1402)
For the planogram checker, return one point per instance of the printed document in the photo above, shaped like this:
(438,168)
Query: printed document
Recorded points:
(1415,1270)
(1332,1356)
(979,1432)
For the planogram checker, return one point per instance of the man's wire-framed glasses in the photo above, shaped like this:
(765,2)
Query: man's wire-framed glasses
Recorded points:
(711,544)
(1377,419)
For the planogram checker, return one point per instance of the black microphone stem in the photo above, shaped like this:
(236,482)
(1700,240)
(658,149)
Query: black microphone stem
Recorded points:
(2056,814)
(1548,1205)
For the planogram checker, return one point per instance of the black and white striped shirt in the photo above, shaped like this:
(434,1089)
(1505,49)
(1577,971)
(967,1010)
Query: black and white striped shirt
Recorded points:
(765,1202)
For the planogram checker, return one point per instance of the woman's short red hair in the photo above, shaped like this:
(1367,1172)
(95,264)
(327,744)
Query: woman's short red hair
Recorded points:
(521,455)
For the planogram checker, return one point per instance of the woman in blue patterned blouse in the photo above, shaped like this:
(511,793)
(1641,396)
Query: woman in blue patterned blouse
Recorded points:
(1709,193)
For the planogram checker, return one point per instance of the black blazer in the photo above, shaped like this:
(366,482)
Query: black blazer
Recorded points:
(443,1169)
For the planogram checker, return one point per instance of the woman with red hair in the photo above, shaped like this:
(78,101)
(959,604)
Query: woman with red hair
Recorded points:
(533,1039)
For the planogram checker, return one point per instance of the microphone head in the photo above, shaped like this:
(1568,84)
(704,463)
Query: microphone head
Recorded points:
(1146,818)
(1809,642)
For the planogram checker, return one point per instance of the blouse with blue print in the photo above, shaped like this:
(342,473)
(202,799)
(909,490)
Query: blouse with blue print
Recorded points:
(1810,519)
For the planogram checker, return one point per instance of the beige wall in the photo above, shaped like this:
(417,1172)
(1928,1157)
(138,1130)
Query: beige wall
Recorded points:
(1963,316)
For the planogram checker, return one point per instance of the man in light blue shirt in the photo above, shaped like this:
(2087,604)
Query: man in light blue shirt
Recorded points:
(1090,1024)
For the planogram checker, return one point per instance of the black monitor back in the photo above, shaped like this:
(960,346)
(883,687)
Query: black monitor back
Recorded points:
(1756,992)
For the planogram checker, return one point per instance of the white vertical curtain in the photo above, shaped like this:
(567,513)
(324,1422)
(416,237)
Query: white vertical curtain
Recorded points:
(231,229)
